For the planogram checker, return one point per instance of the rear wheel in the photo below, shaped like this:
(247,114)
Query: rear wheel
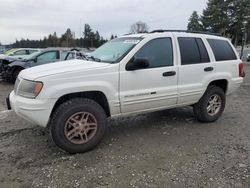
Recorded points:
(211,105)
(78,125)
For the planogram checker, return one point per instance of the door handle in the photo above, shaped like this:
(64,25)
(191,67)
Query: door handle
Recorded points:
(208,69)
(170,73)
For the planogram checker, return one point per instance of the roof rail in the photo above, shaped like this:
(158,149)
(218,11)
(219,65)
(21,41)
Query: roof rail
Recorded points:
(185,31)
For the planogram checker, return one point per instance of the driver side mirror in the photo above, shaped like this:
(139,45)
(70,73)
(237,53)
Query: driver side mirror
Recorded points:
(137,63)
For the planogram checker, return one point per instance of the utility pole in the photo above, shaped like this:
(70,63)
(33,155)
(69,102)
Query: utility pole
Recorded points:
(244,38)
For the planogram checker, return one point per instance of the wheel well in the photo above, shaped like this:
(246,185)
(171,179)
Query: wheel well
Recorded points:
(220,83)
(97,96)
(16,68)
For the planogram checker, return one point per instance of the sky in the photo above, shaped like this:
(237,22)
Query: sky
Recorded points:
(35,19)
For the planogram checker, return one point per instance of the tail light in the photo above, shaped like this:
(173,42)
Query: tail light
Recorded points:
(241,70)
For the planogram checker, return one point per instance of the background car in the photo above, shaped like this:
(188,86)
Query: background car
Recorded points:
(75,54)
(248,58)
(11,67)
(19,53)
(14,54)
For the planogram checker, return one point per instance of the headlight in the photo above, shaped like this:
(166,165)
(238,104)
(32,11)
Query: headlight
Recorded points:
(29,89)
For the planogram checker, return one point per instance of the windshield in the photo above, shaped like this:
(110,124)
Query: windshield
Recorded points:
(114,50)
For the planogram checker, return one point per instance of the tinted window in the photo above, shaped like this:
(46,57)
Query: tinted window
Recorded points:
(47,56)
(192,51)
(222,50)
(159,52)
(203,51)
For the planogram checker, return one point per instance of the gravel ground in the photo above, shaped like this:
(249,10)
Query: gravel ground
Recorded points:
(161,149)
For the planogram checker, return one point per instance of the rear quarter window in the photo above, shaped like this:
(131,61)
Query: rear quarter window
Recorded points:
(222,50)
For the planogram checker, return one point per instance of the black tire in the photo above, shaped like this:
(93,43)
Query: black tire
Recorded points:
(15,74)
(60,121)
(201,109)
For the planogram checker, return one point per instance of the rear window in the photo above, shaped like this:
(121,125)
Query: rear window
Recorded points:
(193,51)
(222,50)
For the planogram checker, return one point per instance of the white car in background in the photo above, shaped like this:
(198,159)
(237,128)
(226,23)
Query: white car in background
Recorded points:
(248,57)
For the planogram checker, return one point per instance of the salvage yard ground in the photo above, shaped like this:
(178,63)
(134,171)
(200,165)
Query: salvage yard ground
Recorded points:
(161,149)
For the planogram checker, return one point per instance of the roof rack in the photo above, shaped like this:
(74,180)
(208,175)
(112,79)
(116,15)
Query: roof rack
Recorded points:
(185,31)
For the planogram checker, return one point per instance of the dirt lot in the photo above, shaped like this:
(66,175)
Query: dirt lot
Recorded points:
(162,149)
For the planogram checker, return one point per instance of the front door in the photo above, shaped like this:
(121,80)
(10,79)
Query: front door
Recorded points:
(154,87)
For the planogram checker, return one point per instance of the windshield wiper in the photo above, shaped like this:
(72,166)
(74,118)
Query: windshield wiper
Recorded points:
(94,58)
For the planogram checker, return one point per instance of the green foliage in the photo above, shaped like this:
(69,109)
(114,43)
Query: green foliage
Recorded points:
(89,39)
(225,17)
(194,22)
(214,17)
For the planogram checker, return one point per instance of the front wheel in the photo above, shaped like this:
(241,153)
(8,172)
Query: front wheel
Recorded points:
(211,105)
(78,125)
(15,74)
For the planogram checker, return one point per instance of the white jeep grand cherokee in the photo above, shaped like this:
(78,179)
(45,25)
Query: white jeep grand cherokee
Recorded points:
(128,75)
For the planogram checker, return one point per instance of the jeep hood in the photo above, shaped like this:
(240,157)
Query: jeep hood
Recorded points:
(60,68)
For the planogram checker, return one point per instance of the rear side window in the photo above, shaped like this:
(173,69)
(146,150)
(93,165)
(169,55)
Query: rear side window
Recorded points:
(222,50)
(193,51)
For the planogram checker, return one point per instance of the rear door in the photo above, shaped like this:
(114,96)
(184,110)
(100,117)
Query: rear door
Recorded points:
(195,67)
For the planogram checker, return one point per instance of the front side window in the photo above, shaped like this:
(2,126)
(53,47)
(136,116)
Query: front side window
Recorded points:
(159,52)
(47,56)
(114,50)
(193,51)
(222,50)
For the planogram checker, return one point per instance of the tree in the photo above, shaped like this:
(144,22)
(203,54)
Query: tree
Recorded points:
(227,17)
(97,38)
(139,27)
(194,22)
(67,39)
(238,13)
(91,39)
(214,17)
(88,36)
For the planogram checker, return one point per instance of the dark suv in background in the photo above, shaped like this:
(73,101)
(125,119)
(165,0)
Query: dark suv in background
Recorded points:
(11,67)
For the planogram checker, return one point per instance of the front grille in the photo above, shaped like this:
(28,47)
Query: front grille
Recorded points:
(16,85)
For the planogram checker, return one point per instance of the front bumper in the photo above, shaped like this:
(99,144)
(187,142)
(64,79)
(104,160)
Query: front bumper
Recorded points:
(36,111)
